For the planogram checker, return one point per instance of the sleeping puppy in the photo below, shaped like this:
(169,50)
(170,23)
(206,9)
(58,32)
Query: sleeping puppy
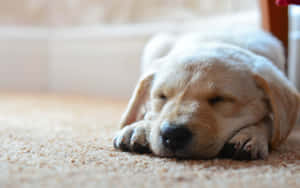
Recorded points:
(202,96)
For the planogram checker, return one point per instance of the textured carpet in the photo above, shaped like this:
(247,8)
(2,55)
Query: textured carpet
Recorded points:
(51,141)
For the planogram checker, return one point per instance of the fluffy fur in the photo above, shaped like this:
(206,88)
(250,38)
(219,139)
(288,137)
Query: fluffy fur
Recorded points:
(254,105)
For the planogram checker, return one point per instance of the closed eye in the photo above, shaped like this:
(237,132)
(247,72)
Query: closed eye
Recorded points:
(216,99)
(219,99)
(162,96)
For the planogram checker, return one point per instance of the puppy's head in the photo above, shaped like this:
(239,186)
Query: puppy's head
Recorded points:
(199,98)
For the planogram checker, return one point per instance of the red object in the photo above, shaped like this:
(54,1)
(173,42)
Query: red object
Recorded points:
(287,2)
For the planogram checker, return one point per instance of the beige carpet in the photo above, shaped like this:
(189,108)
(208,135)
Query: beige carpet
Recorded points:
(50,141)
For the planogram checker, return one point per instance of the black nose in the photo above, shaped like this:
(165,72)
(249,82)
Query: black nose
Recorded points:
(175,137)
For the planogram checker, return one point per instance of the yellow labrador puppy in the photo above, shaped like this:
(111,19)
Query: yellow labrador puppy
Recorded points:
(201,96)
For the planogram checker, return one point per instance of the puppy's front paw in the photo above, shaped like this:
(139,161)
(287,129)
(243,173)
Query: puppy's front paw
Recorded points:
(132,138)
(250,143)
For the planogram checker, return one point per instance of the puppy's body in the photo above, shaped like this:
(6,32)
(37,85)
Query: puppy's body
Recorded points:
(200,92)
(258,42)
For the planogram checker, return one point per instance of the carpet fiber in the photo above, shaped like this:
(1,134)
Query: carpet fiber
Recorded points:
(52,141)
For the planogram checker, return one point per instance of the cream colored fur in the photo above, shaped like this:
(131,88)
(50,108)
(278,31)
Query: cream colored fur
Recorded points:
(259,105)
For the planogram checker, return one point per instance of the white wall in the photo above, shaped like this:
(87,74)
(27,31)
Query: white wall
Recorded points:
(23,59)
(87,12)
(52,46)
(99,62)
(102,60)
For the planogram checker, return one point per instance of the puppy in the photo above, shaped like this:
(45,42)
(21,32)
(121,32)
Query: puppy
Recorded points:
(203,95)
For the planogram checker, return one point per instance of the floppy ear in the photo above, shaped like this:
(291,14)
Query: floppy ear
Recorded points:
(158,47)
(282,96)
(137,101)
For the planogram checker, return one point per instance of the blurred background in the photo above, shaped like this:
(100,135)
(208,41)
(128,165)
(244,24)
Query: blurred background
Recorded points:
(93,47)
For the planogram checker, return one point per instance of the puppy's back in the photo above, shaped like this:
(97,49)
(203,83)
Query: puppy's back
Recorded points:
(257,41)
